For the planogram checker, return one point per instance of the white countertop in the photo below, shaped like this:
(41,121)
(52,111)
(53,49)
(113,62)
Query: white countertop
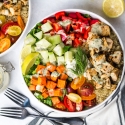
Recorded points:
(39,9)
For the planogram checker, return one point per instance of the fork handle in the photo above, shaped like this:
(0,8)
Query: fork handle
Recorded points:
(37,111)
(72,121)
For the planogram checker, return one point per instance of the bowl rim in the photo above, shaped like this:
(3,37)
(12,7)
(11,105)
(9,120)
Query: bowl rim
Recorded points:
(25,29)
(114,93)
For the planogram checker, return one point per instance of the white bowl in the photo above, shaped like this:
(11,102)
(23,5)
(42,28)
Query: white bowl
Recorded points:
(16,43)
(113,94)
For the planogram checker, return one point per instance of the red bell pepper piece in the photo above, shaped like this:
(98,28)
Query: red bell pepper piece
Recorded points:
(56,27)
(93,21)
(78,35)
(76,42)
(73,15)
(81,17)
(67,28)
(51,19)
(66,18)
(59,15)
(86,33)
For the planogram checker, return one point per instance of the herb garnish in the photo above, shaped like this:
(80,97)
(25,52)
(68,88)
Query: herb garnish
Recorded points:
(81,61)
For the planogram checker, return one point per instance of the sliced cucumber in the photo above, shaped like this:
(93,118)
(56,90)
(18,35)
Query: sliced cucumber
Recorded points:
(52,57)
(39,35)
(60,60)
(58,50)
(30,40)
(55,39)
(68,56)
(62,44)
(43,43)
(44,54)
(46,27)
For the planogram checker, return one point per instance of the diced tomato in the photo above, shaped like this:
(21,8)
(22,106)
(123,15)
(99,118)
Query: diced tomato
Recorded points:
(60,106)
(76,42)
(78,35)
(7,25)
(1,35)
(59,15)
(56,27)
(86,89)
(79,106)
(51,19)
(89,103)
(86,33)
(93,21)
(71,106)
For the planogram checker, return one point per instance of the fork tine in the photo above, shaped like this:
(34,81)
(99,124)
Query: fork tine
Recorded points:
(12,112)
(11,116)
(21,95)
(10,96)
(15,93)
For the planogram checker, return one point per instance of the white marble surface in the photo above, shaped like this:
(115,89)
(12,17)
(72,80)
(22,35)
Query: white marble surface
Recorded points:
(39,9)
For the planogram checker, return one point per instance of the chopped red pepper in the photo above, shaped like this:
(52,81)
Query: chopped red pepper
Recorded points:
(78,35)
(66,18)
(73,15)
(76,42)
(86,33)
(81,17)
(51,19)
(67,28)
(56,27)
(59,15)
(93,21)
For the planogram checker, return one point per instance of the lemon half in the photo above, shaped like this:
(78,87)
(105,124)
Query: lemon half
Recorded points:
(28,62)
(113,8)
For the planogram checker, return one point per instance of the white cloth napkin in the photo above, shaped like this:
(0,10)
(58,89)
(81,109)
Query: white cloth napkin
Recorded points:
(113,113)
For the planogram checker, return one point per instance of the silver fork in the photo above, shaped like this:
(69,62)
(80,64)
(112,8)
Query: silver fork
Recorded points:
(23,101)
(22,113)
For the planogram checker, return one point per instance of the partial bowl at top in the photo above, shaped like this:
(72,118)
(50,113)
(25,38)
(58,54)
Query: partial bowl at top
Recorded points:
(14,18)
(72,61)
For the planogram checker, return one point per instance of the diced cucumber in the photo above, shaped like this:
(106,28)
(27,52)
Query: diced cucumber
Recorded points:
(68,56)
(51,48)
(30,40)
(58,50)
(39,35)
(60,60)
(46,27)
(55,39)
(43,43)
(45,61)
(62,44)
(46,35)
(32,49)
(52,57)
(73,50)
(44,54)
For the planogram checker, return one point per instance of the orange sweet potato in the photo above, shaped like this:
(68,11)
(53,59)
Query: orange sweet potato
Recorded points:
(34,81)
(42,80)
(63,76)
(51,67)
(60,69)
(61,83)
(55,100)
(51,85)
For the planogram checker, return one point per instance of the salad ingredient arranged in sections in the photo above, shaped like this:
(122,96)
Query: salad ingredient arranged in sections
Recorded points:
(71,61)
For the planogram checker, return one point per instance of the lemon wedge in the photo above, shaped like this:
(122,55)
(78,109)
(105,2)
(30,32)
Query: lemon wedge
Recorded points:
(14,30)
(74,97)
(113,8)
(25,51)
(28,62)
